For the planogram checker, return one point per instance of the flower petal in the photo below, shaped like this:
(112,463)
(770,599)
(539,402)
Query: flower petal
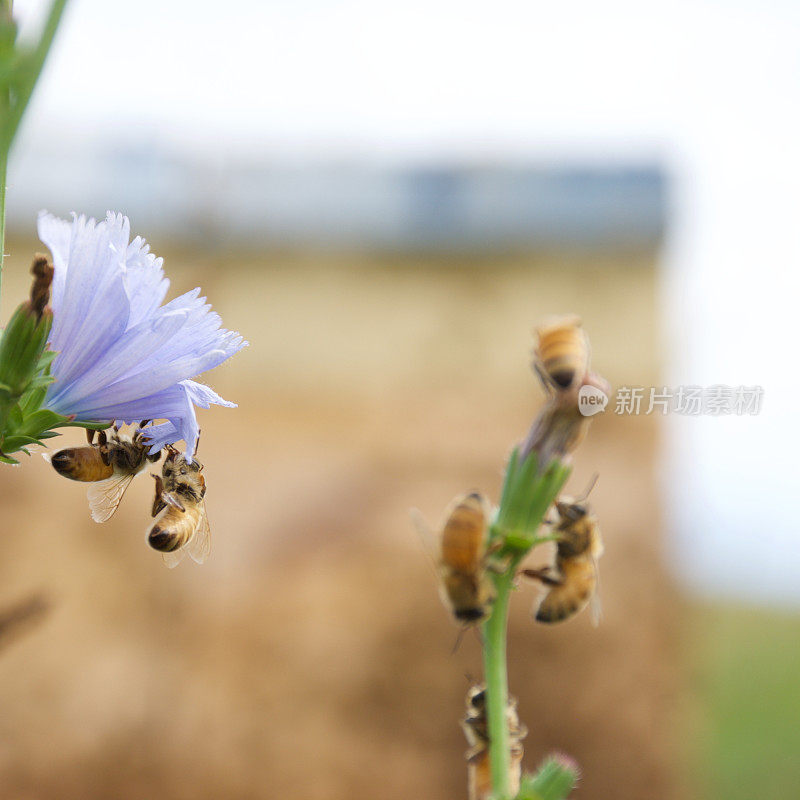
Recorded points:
(121,354)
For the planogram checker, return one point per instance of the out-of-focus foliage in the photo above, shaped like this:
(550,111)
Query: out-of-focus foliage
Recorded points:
(746,664)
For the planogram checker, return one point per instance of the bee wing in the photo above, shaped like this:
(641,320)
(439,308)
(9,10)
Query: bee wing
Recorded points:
(105,496)
(199,546)
(596,607)
(428,539)
(174,558)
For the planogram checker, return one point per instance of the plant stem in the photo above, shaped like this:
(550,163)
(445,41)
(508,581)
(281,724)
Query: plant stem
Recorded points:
(496,677)
(14,98)
(32,71)
(3,173)
(527,494)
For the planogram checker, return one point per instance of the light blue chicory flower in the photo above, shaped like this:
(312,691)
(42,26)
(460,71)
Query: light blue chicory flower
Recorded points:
(122,356)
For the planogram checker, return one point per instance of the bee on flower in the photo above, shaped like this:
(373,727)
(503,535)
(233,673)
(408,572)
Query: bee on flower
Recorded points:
(108,351)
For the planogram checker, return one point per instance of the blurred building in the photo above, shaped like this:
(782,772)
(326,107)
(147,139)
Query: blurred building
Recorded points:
(343,204)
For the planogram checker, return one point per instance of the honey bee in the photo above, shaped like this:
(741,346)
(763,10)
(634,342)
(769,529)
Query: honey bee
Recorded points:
(181,524)
(110,464)
(562,353)
(463,558)
(476,730)
(574,583)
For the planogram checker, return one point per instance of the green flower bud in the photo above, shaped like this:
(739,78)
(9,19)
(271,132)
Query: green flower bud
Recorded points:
(25,336)
(555,779)
(22,348)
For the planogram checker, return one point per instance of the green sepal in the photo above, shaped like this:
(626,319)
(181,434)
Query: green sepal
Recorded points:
(37,389)
(8,36)
(89,426)
(21,347)
(46,360)
(13,443)
(43,420)
(14,418)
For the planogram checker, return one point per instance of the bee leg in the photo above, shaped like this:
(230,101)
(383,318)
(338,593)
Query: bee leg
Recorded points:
(494,547)
(478,635)
(158,503)
(170,500)
(547,384)
(497,567)
(102,442)
(542,575)
(493,564)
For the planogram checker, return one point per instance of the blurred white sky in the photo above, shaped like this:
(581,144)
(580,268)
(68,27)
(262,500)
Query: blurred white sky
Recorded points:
(710,87)
(419,77)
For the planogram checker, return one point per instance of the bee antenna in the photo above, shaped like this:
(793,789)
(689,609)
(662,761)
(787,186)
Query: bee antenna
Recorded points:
(197,443)
(470,678)
(589,488)
(458,640)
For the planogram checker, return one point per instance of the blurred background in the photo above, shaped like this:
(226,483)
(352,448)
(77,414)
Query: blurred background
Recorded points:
(384,199)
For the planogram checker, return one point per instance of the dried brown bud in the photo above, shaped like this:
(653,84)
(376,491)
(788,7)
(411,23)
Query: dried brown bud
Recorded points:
(42,271)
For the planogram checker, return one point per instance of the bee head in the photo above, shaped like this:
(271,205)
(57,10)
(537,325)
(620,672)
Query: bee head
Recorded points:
(571,512)
(476,698)
(177,464)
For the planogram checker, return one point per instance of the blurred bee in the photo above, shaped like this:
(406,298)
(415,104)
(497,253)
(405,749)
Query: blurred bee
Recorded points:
(561,357)
(111,464)
(181,524)
(465,587)
(476,730)
(573,583)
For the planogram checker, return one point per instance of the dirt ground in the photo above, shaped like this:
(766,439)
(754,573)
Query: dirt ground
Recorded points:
(311,657)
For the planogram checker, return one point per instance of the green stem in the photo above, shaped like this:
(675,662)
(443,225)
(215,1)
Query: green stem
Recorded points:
(14,98)
(3,173)
(33,69)
(526,497)
(496,676)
